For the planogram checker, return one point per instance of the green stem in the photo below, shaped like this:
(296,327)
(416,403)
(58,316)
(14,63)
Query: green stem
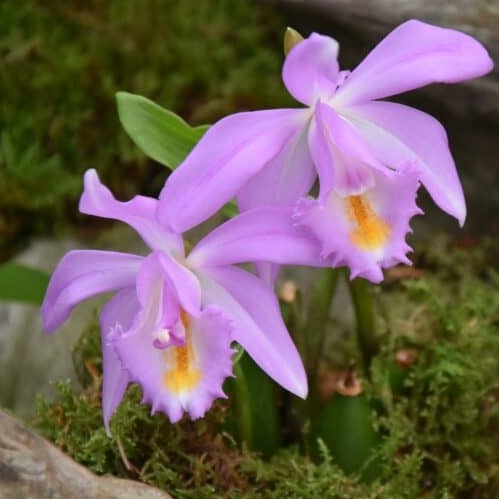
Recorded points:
(363,303)
(315,330)
(242,403)
(317,318)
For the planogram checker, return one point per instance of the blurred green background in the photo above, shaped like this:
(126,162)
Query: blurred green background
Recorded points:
(62,62)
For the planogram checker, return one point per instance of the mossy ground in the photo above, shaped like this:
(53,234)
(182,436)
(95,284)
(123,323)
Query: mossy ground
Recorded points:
(439,423)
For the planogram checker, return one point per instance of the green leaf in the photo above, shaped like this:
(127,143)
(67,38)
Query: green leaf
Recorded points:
(159,133)
(254,418)
(345,427)
(21,283)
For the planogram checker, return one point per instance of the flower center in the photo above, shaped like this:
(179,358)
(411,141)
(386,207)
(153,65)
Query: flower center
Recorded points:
(370,231)
(161,338)
(184,374)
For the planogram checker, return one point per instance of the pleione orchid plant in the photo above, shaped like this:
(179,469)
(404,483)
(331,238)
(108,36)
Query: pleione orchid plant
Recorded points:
(170,324)
(175,318)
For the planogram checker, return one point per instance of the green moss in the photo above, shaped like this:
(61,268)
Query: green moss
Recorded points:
(439,423)
(61,64)
(446,421)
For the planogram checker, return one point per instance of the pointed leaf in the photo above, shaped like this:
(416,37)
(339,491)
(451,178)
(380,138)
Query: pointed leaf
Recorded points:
(159,133)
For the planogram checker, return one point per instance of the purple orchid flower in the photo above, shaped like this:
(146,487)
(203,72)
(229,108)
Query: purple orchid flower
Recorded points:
(369,155)
(170,324)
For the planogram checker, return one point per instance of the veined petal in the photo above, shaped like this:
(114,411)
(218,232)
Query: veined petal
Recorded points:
(343,160)
(82,274)
(118,312)
(257,322)
(225,158)
(139,213)
(287,177)
(413,55)
(398,134)
(185,378)
(311,69)
(365,232)
(262,234)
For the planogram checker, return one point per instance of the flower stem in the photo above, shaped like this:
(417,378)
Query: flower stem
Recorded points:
(317,319)
(363,303)
(242,405)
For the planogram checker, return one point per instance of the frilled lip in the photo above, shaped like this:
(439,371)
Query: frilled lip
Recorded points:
(364,232)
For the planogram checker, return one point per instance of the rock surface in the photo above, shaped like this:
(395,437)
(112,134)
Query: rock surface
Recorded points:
(469,111)
(32,468)
(359,24)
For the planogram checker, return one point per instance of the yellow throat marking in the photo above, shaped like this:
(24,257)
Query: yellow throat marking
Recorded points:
(184,375)
(370,231)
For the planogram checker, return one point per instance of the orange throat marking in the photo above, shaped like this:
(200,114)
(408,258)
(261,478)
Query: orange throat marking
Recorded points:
(184,375)
(370,232)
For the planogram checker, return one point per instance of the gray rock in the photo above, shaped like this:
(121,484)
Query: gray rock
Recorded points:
(469,111)
(32,468)
(359,24)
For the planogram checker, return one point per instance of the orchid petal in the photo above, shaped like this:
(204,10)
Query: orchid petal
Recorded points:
(230,153)
(262,234)
(139,213)
(118,312)
(311,69)
(365,232)
(163,288)
(185,283)
(181,378)
(343,160)
(413,55)
(157,298)
(257,322)
(287,177)
(268,272)
(399,134)
(82,274)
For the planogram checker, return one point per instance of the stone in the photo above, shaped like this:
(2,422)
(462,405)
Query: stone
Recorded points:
(32,468)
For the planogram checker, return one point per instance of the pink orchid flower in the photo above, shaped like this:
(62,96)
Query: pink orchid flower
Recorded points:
(369,155)
(170,324)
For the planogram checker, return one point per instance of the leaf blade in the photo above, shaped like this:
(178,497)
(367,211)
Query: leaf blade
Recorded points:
(159,133)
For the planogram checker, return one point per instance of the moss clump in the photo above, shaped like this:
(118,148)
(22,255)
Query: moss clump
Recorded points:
(441,426)
(437,415)
(61,64)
